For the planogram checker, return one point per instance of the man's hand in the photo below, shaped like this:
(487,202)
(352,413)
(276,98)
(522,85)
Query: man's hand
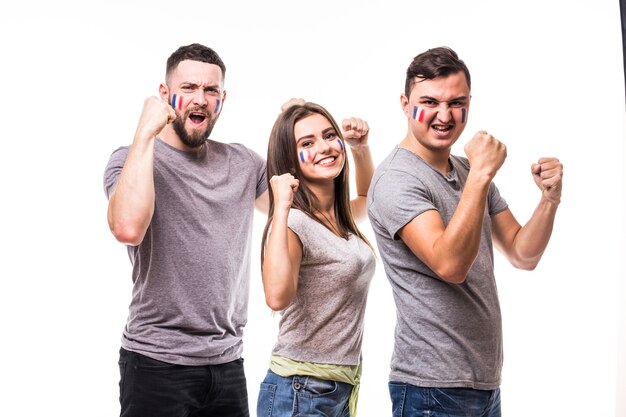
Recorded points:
(292,102)
(156,114)
(548,175)
(485,153)
(355,132)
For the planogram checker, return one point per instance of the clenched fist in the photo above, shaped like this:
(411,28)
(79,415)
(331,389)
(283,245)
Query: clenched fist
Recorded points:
(156,114)
(485,153)
(292,102)
(355,131)
(283,188)
(548,175)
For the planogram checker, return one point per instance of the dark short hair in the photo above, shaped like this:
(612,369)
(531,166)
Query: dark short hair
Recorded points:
(436,62)
(194,52)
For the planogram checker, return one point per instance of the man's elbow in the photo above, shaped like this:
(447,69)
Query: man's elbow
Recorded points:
(525,262)
(525,265)
(276,303)
(452,275)
(126,234)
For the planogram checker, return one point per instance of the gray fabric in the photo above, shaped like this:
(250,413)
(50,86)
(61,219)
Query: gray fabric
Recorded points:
(447,335)
(191,272)
(324,322)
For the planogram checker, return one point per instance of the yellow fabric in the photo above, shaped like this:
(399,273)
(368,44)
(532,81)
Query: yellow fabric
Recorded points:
(350,374)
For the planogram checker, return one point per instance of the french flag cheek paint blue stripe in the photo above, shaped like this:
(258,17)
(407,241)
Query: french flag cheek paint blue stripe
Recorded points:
(463,115)
(418,114)
(217,106)
(305,156)
(177,102)
(340,144)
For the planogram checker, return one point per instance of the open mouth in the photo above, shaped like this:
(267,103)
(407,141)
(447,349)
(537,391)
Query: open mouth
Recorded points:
(197,118)
(442,128)
(326,161)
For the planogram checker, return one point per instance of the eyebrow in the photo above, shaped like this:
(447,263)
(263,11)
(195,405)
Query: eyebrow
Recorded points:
(195,85)
(460,98)
(312,136)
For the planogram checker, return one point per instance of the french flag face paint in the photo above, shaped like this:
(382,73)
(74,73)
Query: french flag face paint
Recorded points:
(340,144)
(463,115)
(418,114)
(217,106)
(177,102)
(305,156)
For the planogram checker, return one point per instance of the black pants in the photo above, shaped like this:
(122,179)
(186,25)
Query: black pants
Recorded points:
(151,388)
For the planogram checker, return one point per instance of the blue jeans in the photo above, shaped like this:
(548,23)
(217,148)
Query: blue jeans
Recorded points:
(157,389)
(410,401)
(302,396)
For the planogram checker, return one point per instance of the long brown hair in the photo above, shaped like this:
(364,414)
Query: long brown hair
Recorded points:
(282,158)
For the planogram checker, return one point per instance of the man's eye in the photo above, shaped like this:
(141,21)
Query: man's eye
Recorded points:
(429,103)
(456,104)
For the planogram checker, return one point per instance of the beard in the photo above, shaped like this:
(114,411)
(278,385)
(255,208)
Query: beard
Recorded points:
(197,138)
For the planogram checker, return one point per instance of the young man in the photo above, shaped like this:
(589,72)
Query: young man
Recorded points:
(184,206)
(435,216)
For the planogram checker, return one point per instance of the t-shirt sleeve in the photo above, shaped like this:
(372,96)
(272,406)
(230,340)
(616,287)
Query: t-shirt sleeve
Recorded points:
(113,169)
(396,199)
(259,164)
(496,202)
(299,223)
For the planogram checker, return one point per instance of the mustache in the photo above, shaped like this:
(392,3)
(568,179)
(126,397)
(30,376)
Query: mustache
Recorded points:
(198,109)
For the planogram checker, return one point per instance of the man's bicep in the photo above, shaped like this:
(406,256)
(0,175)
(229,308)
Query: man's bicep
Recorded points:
(421,233)
(504,229)
(113,170)
(262,202)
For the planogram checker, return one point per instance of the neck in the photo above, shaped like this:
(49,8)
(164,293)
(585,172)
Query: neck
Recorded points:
(437,158)
(325,194)
(169,136)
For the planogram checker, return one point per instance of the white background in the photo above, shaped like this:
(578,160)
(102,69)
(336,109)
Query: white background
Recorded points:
(547,80)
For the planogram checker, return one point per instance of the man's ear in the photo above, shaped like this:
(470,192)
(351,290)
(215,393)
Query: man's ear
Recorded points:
(404,102)
(164,92)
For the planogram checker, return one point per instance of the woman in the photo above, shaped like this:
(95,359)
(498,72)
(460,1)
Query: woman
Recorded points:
(317,266)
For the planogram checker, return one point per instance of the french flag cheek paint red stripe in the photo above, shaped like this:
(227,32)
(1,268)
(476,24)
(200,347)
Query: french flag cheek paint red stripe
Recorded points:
(177,102)
(418,114)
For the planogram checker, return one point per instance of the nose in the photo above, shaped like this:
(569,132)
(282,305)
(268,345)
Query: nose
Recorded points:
(323,146)
(444,113)
(199,98)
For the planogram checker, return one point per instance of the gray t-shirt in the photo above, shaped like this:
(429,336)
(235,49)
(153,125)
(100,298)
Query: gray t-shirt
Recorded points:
(447,335)
(191,272)
(324,321)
